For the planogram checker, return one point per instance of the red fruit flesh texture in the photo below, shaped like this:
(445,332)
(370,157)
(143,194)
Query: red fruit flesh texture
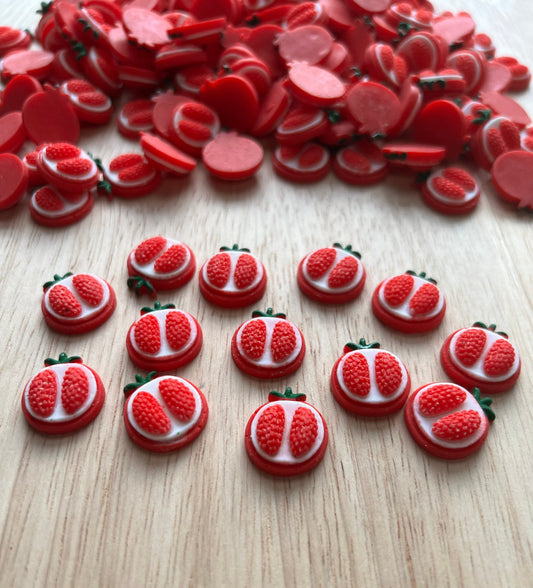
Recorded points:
(245,271)
(439,399)
(60,151)
(356,161)
(194,131)
(198,113)
(311,156)
(63,302)
(178,330)
(500,358)
(79,86)
(343,273)
(388,373)
(449,189)
(424,300)
(304,431)
(253,339)
(135,172)
(148,250)
(356,374)
(149,415)
(147,334)
(74,389)
(397,289)
(457,426)
(89,289)
(125,161)
(460,177)
(93,98)
(469,346)
(171,260)
(218,270)
(74,166)
(179,399)
(47,199)
(320,261)
(269,429)
(283,340)
(42,393)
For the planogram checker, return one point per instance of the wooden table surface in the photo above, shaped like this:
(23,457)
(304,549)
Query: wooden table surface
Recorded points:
(93,509)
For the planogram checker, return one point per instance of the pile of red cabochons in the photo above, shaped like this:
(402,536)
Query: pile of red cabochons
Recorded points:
(365,87)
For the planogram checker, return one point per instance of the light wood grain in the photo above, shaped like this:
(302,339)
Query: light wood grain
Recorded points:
(92,509)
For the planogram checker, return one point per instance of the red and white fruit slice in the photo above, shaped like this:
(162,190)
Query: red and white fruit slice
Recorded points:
(63,397)
(164,339)
(165,414)
(446,420)
(193,125)
(423,50)
(268,346)
(135,116)
(165,157)
(497,136)
(409,303)
(472,65)
(370,382)
(12,39)
(451,190)
(286,437)
(384,66)
(233,278)
(480,357)
(332,275)
(520,74)
(165,263)
(77,303)
(309,162)
(90,104)
(131,176)
(67,167)
(360,164)
(301,124)
(51,208)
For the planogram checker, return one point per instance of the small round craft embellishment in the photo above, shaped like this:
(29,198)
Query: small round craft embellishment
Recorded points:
(332,275)
(286,436)
(160,263)
(63,397)
(369,381)
(164,413)
(233,278)
(481,356)
(163,338)
(268,345)
(409,302)
(447,420)
(451,190)
(77,303)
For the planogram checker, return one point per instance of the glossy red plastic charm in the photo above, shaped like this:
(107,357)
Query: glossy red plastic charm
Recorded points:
(233,278)
(447,420)
(481,356)
(332,275)
(163,338)
(309,162)
(230,156)
(63,397)
(77,303)
(13,179)
(90,104)
(164,413)
(159,263)
(135,116)
(130,175)
(268,346)
(360,164)
(192,126)
(409,303)
(51,208)
(451,190)
(165,157)
(286,436)
(369,381)
(511,174)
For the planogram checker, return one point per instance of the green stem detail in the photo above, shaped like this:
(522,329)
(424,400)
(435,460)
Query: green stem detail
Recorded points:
(63,358)
(482,116)
(57,278)
(484,403)
(491,327)
(157,306)
(269,312)
(361,345)
(287,395)
(139,381)
(234,248)
(45,7)
(421,275)
(138,283)
(348,249)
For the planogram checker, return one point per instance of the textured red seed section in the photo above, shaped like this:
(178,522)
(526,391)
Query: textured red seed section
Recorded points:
(424,300)
(397,289)
(457,426)
(178,330)
(140,171)
(388,373)
(283,341)
(149,249)
(356,374)
(89,289)
(253,339)
(198,113)
(74,166)
(355,161)
(171,260)
(461,177)
(49,200)
(469,346)
(149,414)
(179,399)
(439,399)
(42,393)
(147,334)
(74,389)
(245,271)
(269,429)
(343,273)
(125,161)
(319,262)
(304,431)
(218,270)
(448,189)
(63,302)
(59,151)
(194,131)
(500,358)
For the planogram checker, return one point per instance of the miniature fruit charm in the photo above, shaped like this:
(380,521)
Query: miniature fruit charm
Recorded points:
(49,207)
(233,278)
(164,413)
(447,420)
(369,381)
(332,274)
(409,302)
(481,356)
(63,397)
(286,436)
(159,263)
(163,338)
(77,303)
(451,190)
(268,346)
